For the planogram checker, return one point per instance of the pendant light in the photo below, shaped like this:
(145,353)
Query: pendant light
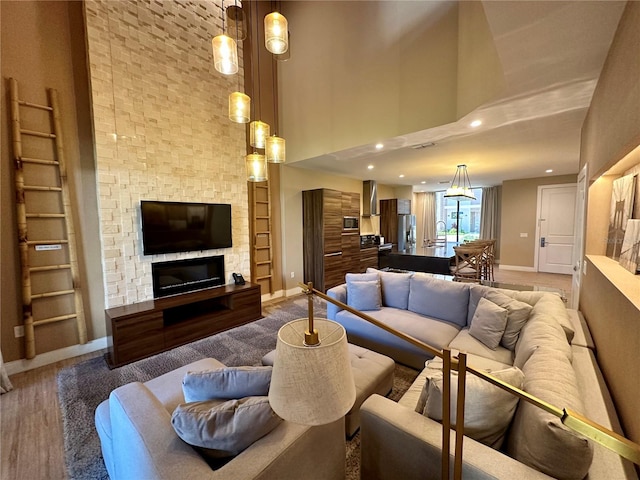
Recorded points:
(225,52)
(275,146)
(236,22)
(275,33)
(257,170)
(258,130)
(460,185)
(239,107)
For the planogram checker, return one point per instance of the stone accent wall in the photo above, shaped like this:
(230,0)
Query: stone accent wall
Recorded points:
(161,130)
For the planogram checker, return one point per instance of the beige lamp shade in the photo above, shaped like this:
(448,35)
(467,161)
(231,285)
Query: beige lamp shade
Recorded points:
(258,133)
(275,33)
(312,385)
(239,107)
(225,54)
(275,149)
(256,167)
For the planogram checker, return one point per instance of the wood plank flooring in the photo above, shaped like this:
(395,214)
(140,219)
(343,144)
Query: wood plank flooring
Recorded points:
(31,441)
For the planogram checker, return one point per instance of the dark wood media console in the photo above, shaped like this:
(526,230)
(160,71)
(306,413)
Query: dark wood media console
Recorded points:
(143,329)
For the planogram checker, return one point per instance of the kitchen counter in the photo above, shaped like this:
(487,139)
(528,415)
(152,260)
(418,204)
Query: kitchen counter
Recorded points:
(438,259)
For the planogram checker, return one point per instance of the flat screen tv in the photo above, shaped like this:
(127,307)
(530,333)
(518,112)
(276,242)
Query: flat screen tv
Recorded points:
(169,227)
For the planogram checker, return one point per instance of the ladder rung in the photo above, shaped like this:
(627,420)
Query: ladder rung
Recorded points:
(266,232)
(39,161)
(46,242)
(33,133)
(264,277)
(52,294)
(45,215)
(262,248)
(265,262)
(49,267)
(42,188)
(262,186)
(35,105)
(263,217)
(262,201)
(54,319)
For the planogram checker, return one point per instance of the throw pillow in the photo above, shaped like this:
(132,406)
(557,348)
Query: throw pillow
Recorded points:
(488,409)
(224,430)
(488,323)
(364,295)
(441,299)
(361,277)
(226,383)
(395,289)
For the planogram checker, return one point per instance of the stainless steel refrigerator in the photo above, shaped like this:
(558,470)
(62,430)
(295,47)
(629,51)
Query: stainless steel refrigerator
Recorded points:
(406,233)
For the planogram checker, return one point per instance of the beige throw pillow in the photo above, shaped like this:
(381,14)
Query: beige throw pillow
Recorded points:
(488,323)
(488,409)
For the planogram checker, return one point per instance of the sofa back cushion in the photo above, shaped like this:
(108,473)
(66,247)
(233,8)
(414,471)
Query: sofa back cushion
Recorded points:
(395,288)
(441,299)
(538,438)
(226,383)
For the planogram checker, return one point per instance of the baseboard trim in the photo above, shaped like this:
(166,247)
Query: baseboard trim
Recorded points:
(272,296)
(47,358)
(517,268)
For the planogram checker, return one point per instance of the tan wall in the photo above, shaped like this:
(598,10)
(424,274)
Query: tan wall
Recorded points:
(162,132)
(610,132)
(519,209)
(42,47)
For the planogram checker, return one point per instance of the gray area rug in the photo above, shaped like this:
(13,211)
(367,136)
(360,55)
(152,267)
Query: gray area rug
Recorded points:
(82,387)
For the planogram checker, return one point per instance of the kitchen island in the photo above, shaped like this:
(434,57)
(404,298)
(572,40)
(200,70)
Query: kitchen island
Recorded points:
(437,259)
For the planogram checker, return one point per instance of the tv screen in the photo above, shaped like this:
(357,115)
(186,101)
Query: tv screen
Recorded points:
(169,227)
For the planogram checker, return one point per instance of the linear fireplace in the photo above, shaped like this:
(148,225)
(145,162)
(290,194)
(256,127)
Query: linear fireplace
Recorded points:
(180,276)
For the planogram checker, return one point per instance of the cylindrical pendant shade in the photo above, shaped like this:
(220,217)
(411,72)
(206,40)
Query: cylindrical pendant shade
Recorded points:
(275,33)
(283,57)
(258,133)
(256,167)
(225,54)
(236,22)
(312,385)
(275,149)
(239,107)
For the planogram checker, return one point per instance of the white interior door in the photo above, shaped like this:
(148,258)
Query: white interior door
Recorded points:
(556,220)
(578,242)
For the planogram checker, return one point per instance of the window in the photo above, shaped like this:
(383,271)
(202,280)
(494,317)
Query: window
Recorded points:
(458,221)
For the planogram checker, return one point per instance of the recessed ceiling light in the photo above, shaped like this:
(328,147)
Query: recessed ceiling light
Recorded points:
(379,146)
(401,175)
(370,167)
(423,182)
(548,170)
(476,123)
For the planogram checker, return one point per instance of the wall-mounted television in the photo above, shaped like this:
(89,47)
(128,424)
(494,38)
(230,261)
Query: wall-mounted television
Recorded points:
(169,227)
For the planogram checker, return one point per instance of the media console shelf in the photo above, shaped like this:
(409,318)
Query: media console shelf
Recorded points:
(142,329)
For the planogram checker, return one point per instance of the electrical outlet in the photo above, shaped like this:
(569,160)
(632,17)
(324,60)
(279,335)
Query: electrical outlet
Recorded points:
(18,331)
(524,235)
(293,274)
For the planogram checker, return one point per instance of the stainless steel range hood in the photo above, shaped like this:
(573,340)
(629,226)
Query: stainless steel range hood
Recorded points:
(369,198)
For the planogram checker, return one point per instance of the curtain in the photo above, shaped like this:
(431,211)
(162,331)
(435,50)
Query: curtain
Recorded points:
(490,215)
(425,210)
(5,383)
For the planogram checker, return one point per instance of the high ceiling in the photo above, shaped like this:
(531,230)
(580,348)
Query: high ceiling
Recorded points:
(551,54)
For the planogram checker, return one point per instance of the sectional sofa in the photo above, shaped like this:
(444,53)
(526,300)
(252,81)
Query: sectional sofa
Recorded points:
(526,338)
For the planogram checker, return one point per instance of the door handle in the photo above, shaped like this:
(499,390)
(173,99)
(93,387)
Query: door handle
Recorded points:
(542,242)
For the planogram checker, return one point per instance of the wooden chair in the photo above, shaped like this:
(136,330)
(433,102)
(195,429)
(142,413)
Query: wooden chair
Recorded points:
(488,257)
(469,263)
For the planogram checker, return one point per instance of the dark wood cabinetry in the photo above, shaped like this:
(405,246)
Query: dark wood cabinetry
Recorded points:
(330,251)
(389,211)
(368,258)
(142,329)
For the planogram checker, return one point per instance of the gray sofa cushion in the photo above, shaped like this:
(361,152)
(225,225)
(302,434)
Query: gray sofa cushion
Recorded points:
(464,342)
(488,323)
(538,438)
(448,301)
(224,429)
(226,383)
(395,288)
(364,295)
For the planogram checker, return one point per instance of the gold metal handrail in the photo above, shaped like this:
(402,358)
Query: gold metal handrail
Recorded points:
(573,420)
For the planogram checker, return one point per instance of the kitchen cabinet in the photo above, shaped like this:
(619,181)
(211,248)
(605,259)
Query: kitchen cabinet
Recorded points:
(330,252)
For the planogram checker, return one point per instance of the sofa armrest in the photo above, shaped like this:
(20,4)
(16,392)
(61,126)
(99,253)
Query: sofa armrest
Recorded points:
(145,444)
(339,293)
(397,442)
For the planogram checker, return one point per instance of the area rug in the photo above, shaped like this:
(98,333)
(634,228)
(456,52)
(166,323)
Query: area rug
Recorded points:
(82,387)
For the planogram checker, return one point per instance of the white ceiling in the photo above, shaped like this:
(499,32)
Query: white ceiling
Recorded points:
(551,55)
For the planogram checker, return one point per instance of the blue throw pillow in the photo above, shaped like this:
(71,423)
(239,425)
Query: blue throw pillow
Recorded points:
(441,299)
(395,289)
(226,383)
(364,296)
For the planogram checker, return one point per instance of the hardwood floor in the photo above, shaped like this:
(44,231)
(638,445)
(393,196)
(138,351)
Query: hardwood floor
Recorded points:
(31,442)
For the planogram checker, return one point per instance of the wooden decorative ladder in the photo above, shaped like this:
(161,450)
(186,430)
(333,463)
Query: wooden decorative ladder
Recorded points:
(55,253)
(262,249)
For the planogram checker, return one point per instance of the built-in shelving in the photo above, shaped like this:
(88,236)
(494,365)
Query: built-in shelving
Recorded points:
(627,283)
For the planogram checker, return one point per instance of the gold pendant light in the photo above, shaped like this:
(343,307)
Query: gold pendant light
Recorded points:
(258,133)
(256,167)
(275,33)
(225,54)
(239,107)
(275,149)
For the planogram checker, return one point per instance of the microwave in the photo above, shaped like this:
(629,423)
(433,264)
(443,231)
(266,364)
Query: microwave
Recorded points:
(350,223)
